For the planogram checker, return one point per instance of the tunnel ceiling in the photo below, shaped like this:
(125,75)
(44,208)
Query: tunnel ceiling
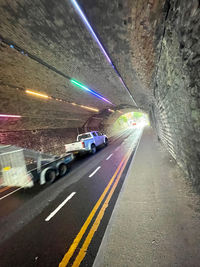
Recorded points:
(51,40)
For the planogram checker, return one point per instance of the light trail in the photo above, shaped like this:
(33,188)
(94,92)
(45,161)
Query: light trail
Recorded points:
(9,116)
(37,94)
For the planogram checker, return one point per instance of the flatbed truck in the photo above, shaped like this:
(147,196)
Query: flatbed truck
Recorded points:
(23,167)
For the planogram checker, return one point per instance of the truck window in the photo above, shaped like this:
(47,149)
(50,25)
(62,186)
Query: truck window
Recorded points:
(83,136)
(99,134)
(94,134)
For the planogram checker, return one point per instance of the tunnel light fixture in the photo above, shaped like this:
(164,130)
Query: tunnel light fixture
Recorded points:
(85,107)
(87,24)
(89,108)
(60,100)
(9,116)
(89,90)
(111,110)
(89,27)
(127,89)
(57,71)
(37,94)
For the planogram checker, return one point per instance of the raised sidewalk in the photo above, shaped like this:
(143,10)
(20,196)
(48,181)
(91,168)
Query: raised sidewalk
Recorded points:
(156,220)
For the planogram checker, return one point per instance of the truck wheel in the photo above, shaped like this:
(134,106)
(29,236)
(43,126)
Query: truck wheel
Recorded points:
(62,169)
(93,149)
(50,176)
(106,142)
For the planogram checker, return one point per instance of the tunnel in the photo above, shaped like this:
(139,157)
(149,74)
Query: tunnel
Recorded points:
(155,68)
(69,67)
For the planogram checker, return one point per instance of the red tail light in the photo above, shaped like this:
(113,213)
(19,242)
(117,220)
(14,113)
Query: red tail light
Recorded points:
(83,144)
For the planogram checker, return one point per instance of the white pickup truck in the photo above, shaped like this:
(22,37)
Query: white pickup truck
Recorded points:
(87,142)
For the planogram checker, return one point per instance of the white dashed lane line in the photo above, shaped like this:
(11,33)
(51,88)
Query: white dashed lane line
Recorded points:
(59,207)
(117,148)
(109,156)
(93,173)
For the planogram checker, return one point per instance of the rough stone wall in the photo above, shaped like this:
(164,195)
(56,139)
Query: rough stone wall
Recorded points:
(127,30)
(44,140)
(39,41)
(147,15)
(176,110)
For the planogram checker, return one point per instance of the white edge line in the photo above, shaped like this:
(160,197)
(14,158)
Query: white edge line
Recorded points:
(60,206)
(7,195)
(94,171)
(11,193)
(104,239)
(109,156)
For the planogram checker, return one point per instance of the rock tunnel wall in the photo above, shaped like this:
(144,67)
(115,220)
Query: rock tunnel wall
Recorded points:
(45,140)
(53,140)
(176,111)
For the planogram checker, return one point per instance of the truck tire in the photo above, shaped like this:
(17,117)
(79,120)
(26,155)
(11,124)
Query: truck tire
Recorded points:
(50,176)
(62,169)
(106,142)
(93,149)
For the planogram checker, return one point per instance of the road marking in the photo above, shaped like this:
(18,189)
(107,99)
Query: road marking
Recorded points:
(109,156)
(115,137)
(14,191)
(11,193)
(59,207)
(94,227)
(93,173)
(79,236)
(4,189)
(83,250)
(117,148)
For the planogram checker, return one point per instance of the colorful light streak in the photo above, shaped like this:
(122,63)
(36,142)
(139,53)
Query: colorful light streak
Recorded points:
(89,108)
(86,22)
(57,71)
(89,90)
(89,27)
(9,116)
(37,94)
(61,100)
(127,89)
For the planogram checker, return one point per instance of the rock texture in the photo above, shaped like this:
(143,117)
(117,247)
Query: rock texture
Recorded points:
(176,107)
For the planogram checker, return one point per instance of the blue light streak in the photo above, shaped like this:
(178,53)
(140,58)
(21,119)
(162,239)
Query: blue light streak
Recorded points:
(90,90)
(88,26)
(75,4)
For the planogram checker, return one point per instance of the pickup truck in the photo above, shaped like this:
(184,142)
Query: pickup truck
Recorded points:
(87,142)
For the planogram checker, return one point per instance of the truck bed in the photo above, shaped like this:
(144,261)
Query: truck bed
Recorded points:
(76,146)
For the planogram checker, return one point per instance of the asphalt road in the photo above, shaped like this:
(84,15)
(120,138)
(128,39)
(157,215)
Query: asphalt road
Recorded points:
(64,223)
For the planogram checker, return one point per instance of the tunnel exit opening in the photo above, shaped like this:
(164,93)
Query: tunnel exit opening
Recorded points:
(130,120)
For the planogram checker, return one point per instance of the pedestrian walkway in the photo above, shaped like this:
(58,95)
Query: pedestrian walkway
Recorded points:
(156,220)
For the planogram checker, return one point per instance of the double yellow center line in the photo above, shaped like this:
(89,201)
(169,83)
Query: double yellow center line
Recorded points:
(95,225)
